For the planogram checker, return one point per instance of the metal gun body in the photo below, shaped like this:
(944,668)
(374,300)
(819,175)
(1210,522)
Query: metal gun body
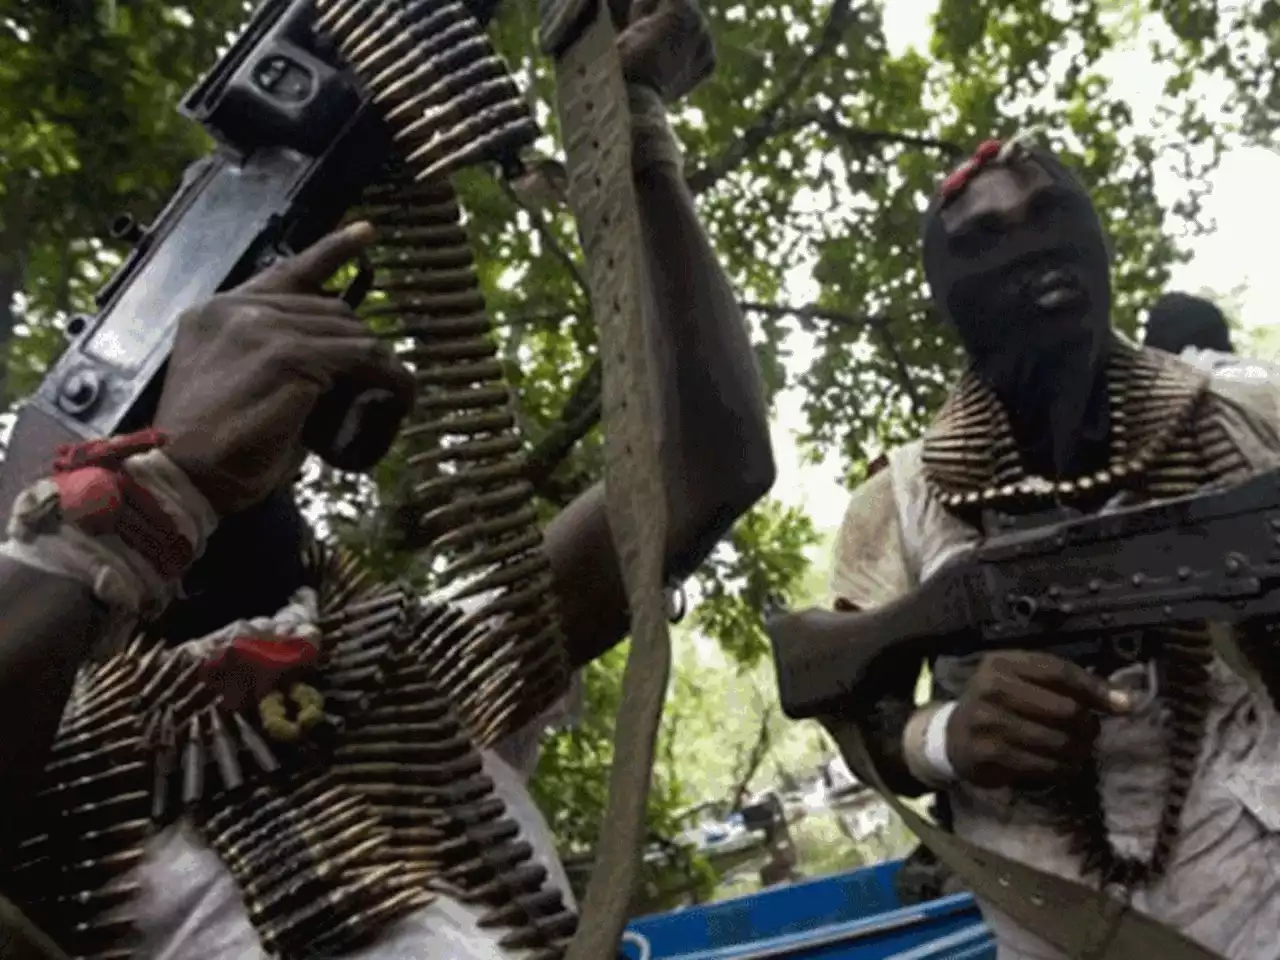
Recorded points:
(296,145)
(1206,557)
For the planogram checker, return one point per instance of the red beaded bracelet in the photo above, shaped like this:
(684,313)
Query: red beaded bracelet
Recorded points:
(98,496)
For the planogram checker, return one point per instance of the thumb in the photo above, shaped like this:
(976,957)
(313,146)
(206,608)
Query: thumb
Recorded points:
(1085,688)
(1119,702)
(307,271)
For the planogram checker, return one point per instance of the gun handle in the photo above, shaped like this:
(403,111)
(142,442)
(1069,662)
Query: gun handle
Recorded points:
(352,430)
(35,438)
(348,429)
(823,657)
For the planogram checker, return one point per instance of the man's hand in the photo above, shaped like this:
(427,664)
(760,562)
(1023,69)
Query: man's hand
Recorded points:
(248,368)
(1027,719)
(664,44)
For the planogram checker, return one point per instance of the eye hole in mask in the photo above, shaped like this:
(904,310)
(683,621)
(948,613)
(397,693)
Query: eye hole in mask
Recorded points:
(983,234)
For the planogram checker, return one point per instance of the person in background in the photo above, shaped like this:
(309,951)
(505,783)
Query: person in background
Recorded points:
(1195,331)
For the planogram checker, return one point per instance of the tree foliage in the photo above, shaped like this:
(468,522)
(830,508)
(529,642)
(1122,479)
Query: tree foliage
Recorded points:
(811,153)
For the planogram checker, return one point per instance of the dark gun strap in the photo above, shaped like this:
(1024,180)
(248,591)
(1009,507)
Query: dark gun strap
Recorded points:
(1083,923)
(21,940)
(596,124)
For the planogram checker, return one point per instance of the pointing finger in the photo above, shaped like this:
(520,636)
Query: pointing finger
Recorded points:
(306,272)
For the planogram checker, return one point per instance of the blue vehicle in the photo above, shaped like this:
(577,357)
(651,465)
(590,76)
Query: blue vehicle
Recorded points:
(851,916)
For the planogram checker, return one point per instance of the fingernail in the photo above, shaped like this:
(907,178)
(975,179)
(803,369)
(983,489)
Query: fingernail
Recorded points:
(360,230)
(1120,700)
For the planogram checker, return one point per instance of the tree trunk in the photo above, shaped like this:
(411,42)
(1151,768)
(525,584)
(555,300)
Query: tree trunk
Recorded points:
(15,252)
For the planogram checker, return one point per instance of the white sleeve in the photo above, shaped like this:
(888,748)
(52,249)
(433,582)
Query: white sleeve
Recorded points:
(869,567)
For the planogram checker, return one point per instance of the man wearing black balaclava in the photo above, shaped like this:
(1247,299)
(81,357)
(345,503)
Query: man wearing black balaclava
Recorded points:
(1061,758)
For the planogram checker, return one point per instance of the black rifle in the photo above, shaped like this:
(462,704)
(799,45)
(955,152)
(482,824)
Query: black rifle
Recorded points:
(297,143)
(1206,557)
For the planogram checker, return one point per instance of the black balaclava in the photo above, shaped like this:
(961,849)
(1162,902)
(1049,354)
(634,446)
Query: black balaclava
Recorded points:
(250,568)
(1044,368)
(1179,320)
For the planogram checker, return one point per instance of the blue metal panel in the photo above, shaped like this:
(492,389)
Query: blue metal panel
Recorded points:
(794,908)
(852,916)
(971,943)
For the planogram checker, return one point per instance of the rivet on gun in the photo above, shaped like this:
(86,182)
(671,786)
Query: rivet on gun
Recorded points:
(1167,611)
(1137,579)
(1184,573)
(1106,618)
(1233,566)
(1095,585)
(1275,523)
(1024,607)
(1055,591)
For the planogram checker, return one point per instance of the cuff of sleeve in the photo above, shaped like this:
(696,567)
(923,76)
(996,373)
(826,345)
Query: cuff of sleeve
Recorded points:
(190,511)
(924,745)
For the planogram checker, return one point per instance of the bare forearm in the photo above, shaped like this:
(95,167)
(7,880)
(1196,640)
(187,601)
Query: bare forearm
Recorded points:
(711,413)
(710,396)
(46,626)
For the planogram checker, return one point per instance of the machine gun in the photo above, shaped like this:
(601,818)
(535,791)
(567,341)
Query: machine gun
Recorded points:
(1205,557)
(300,136)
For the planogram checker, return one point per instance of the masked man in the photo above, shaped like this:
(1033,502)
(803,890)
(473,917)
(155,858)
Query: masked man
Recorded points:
(289,772)
(1141,763)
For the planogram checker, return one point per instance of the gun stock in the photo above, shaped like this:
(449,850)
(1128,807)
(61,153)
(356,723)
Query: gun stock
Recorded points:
(823,657)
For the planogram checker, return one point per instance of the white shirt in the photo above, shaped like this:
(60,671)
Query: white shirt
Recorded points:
(1254,383)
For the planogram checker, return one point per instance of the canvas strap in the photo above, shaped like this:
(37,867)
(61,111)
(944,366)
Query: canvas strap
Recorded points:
(1083,923)
(595,122)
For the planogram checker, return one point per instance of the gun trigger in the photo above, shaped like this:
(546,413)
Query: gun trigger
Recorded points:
(360,284)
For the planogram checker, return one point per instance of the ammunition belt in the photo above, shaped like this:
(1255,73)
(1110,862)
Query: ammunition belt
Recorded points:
(329,838)
(450,103)
(335,836)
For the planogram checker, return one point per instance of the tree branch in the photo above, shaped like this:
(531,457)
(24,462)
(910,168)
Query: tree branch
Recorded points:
(856,138)
(581,413)
(582,410)
(767,121)
(549,239)
(860,138)
(877,323)
(750,764)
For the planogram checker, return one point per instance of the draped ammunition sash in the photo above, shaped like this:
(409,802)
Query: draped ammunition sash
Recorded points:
(330,838)
(383,800)
(1166,441)
(451,103)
